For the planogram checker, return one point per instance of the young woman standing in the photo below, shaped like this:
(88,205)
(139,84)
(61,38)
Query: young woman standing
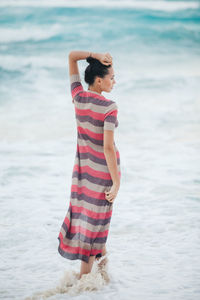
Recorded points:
(96,173)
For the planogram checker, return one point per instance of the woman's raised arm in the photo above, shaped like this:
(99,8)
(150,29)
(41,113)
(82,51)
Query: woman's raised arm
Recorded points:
(74,56)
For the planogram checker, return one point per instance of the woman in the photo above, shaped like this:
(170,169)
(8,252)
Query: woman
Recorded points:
(96,173)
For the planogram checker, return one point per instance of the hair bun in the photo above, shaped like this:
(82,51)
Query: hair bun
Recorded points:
(95,68)
(91,60)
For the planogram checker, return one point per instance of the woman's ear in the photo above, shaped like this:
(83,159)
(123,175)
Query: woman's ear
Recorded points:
(99,81)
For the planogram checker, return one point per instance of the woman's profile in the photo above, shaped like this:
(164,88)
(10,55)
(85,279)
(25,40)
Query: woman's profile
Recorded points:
(96,172)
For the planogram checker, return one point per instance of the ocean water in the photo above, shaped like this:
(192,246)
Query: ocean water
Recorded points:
(154,239)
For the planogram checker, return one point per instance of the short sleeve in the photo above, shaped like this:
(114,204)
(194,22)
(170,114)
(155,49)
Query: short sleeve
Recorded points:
(110,118)
(76,86)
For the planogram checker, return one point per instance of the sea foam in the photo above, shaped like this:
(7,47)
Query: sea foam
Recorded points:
(72,285)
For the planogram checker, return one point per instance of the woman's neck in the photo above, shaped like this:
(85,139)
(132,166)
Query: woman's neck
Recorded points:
(92,89)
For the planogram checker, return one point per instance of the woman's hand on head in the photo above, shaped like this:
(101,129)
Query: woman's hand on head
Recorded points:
(104,58)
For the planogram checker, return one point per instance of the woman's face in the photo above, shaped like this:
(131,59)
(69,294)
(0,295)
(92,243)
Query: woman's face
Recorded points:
(108,81)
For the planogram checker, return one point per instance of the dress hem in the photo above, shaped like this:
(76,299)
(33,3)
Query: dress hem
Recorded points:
(75,256)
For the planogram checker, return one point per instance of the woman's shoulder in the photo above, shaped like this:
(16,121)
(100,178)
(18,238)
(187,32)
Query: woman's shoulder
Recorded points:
(107,102)
(97,98)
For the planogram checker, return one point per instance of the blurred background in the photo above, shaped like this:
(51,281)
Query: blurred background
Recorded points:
(153,244)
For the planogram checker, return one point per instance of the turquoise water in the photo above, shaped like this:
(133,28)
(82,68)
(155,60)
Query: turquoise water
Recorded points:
(153,244)
(32,36)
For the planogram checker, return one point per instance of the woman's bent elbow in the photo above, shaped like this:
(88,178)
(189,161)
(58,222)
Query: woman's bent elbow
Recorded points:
(71,54)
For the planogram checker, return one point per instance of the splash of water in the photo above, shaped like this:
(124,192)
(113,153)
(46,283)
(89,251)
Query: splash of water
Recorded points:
(72,285)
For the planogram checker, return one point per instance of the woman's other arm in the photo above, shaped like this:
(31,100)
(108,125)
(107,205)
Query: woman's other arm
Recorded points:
(111,159)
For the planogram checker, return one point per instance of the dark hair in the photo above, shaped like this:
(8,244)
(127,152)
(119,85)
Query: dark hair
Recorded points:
(95,68)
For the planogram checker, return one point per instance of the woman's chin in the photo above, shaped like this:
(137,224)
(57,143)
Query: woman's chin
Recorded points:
(108,90)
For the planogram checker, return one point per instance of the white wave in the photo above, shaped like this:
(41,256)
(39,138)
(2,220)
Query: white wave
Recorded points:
(35,33)
(152,5)
(70,284)
(16,63)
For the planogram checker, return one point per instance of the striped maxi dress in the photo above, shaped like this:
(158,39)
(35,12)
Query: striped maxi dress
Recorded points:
(86,225)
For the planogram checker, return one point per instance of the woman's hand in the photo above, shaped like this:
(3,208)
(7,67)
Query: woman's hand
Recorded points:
(112,193)
(105,58)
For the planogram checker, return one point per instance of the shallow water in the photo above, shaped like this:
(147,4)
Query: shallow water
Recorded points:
(153,244)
